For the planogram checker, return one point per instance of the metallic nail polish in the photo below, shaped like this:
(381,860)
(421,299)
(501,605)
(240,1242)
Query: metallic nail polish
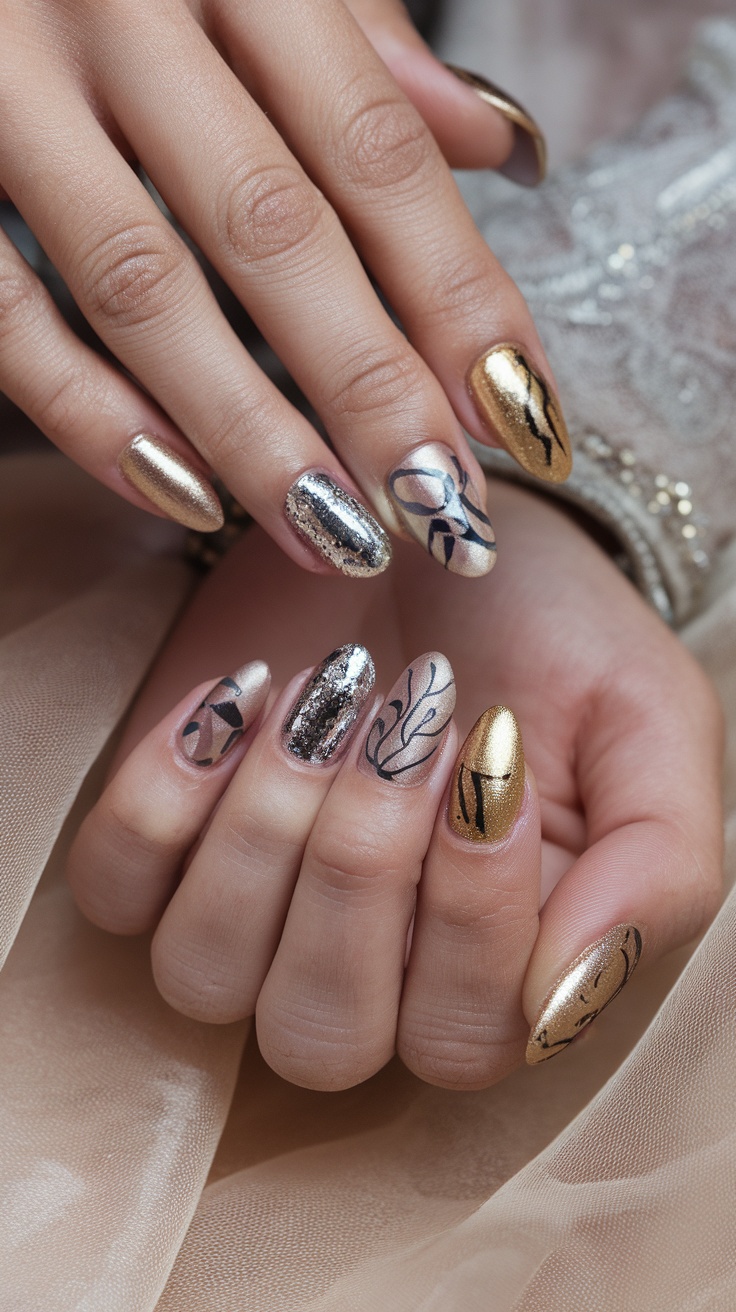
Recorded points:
(338,527)
(436,501)
(229,708)
(516,402)
(593,980)
(409,729)
(171,483)
(322,719)
(527,163)
(488,781)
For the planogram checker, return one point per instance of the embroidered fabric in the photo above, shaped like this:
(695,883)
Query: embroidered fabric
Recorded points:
(626,260)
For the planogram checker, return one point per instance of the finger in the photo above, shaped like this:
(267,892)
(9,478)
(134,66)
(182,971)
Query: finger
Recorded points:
(144,293)
(279,245)
(370,152)
(650,880)
(89,410)
(128,854)
(461,1024)
(475,123)
(326,1016)
(218,935)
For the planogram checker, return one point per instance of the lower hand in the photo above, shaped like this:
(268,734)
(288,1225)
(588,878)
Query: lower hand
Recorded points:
(298,901)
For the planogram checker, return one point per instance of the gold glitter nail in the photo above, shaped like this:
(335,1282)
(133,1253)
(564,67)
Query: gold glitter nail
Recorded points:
(517,403)
(171,483)
(339,528)
(527,163)
(488,781)
(593,980)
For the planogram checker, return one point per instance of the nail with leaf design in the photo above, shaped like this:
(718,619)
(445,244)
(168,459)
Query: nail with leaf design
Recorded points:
(407,733)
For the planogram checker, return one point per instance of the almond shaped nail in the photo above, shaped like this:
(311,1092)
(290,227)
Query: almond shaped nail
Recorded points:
(171,483)
(527,163)
(440,506)
(488,780)
(229,708)
(593,980)
(337,526)
(512,399)
(324,715)
(408,731)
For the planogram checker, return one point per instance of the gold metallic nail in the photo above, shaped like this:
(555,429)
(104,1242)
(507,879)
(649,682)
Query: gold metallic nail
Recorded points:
(527,163)
(409,729)
(339,528)
(324,715)
(436,501)
(488,781)
(171,483)
(517,403)
(229,708)
(593,980)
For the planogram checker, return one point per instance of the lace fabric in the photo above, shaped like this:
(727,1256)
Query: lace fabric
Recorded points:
(627,262)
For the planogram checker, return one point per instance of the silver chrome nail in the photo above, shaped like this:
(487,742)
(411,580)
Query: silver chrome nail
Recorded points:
(337,526)
(326,711)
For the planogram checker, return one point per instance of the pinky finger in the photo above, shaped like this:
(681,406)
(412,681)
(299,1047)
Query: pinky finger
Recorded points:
(128,854)
(95,415)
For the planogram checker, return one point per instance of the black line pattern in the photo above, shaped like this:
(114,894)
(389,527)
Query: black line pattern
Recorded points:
(453,516)
(409,728)
(532,410)
(216,715)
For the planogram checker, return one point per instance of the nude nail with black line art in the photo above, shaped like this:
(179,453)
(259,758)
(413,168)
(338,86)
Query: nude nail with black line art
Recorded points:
(488,780)
(224,715)
(405,737)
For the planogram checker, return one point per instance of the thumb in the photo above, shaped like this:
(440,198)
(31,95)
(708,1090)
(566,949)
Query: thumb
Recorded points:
(476,124)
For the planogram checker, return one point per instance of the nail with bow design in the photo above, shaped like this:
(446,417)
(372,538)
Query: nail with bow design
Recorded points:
(439,505)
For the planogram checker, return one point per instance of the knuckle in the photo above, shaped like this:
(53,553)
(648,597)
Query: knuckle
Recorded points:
(131,277)
(317,1050)
(270,213)
(384,144)
(65,403)
(459,1050)
(235,422)
(464,284)
(186,978)
(379,381)
(360,872)
(18,293)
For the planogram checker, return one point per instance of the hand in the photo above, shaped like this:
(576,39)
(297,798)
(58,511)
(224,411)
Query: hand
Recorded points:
(270,130)
(622,732)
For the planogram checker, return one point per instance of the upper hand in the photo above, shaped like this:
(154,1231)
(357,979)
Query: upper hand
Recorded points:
(619,823)
(272,131)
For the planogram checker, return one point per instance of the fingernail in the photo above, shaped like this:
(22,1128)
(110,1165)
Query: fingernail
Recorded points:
(171,483)
(436,501)
(229,708)
(518,404)
(326,711)
(410,727)
(488,782)
(593,980)
(527,163)
(339,528)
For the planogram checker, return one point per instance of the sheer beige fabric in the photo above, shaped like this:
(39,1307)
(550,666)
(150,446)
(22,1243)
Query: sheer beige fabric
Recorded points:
(144,1167)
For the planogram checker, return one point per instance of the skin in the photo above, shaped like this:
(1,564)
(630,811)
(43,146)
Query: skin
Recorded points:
(620,821)
(272,131)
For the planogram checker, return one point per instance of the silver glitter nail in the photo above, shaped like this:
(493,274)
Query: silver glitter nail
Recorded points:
(324,714)
(337,526)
